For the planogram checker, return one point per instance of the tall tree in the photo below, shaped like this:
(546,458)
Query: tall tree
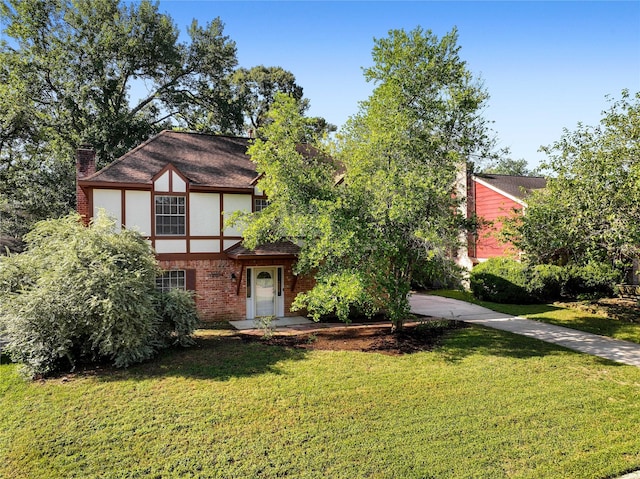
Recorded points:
(399,160)
(101,72)
(590,210)
(509,166)
(256,89)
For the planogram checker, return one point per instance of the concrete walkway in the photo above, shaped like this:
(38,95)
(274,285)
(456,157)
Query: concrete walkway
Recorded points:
(614,349)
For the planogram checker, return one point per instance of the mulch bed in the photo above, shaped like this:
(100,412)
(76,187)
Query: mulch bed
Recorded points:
(379,338)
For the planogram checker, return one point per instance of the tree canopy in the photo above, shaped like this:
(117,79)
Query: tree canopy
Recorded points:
(508,166)
(103,73)
(110,74)
(590,210)
(398,161)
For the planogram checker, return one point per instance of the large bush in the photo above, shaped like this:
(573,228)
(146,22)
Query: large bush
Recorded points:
(82,293)
(437,272)
(508,281)
(501,280)
(593,280)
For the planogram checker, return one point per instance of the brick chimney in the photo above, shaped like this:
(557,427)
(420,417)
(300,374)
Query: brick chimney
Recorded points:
(85,167)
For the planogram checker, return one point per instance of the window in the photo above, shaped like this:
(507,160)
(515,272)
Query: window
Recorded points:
(260,204)
(170,215)
(168,280)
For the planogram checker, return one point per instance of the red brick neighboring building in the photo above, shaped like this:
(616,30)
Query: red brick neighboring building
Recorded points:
(492,198)
(177,189)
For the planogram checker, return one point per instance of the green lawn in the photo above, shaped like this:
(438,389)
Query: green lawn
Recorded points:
(486,404)
(556,314)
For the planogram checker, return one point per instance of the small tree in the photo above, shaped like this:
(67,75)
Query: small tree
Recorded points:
(80,293)
(398,162)
(590,208)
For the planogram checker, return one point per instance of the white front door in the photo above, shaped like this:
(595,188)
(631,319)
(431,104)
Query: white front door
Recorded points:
(265,289)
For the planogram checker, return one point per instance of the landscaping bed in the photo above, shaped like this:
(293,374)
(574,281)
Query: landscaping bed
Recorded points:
(415,337)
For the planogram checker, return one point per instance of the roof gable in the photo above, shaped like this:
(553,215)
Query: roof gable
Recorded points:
(203,160)
(514,187)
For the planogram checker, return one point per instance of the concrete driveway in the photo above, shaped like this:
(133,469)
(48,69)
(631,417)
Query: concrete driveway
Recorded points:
(614,349)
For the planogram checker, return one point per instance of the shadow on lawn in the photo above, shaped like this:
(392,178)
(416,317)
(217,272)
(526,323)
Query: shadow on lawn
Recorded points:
(490,342)
(217,357)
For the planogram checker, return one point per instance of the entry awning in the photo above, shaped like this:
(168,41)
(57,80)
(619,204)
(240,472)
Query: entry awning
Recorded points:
(278,250)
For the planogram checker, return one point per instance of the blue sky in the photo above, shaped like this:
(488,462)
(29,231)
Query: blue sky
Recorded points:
(546,65)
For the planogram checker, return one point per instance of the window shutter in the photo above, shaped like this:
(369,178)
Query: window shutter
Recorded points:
(191,279)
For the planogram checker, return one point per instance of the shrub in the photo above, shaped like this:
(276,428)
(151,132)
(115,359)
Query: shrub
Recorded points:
(437,273)
(593,280)
(501,280)
(177,318)
(507,281)
(81,293)
(546,281)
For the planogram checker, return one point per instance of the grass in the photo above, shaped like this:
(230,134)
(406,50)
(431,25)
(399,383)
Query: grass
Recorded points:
(485,404)
(559,315)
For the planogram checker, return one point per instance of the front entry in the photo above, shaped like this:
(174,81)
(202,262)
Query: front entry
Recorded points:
(265,291)
(265,297)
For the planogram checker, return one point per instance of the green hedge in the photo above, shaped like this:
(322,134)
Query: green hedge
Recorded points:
(500,280)
(505,280)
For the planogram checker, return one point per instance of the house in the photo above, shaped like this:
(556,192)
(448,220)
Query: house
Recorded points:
(177,189)
(492,198)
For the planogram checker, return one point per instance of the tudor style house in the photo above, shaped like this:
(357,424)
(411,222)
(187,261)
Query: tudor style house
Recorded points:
(492,198)
(177,189)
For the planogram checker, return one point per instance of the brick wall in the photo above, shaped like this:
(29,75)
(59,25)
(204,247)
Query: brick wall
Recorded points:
(85,166)
(219,297)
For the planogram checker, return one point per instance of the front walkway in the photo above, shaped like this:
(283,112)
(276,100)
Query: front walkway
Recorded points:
(614,349)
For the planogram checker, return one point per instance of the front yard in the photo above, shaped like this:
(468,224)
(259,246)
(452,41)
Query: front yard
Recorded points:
(605,317)
(483,404)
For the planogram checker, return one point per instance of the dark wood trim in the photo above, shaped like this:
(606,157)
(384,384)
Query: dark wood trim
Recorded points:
(190,256)
(253,256)
(116,185)
(187,211)
(123,208)
(294,282)
(152,209)
(107,185)
(221,189)
(221,206)
(239,280)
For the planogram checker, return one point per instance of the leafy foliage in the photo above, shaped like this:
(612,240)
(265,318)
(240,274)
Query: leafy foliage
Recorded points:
(176,317)
(82,293)
(437,272)
(504,280)
(501,280)
(399,158)
(68,75)
(590,208)
(257,87)
(508,166)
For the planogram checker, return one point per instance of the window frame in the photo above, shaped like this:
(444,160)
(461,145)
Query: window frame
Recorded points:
(181,213)
(264,202)
(166,279)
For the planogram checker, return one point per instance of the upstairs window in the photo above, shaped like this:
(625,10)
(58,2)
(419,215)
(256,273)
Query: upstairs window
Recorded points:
(168,280)
(170,215)
(260,204)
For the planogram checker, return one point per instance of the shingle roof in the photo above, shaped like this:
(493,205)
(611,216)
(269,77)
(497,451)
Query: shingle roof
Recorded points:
(280,248)
(206,160)
(518,186)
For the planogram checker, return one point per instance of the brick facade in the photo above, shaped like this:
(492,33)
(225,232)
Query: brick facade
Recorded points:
(85,167)
(219,297)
